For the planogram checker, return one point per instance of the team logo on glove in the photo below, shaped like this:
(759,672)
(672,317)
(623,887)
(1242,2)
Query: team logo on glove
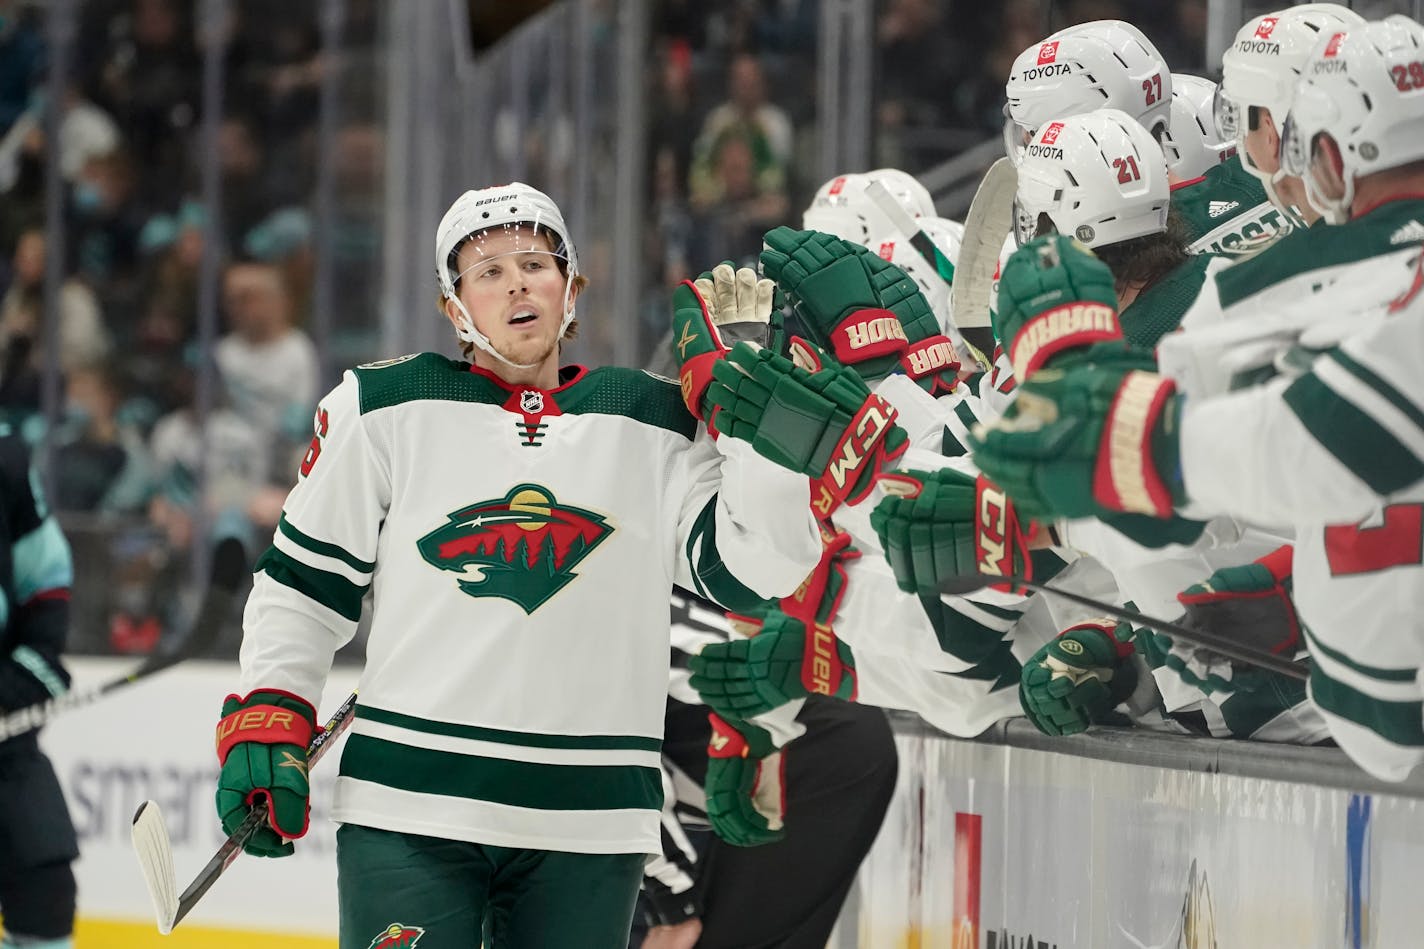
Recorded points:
(397,936)
(522,547)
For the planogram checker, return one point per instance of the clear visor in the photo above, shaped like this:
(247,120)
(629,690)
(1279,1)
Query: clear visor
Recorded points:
(1295,151)
(1225,114)
(1016,137)
(528,247)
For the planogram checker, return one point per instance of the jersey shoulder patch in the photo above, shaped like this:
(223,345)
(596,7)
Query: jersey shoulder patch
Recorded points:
(633,393)
(422,377)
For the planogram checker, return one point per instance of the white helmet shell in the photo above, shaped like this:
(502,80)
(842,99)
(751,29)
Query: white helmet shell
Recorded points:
(843,207)
(1199,145)
(1100,177)
(502,206)
(947,237)
(1364,88)
(1102,64)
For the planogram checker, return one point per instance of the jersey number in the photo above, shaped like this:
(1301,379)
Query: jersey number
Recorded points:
(1408,78)
(1398,542)
(1126,170)
(1152,88)
(314,449)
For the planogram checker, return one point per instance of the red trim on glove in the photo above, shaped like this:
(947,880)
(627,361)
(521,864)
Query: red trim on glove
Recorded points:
(1124,649)
(998,535)
(1279,561)
(1125,477)
(1068,326)
(930,357)
(805,355)
(726,741)
(264,796)
(695,377)
(821,667)
(867,334)
(268,724)
(861,446)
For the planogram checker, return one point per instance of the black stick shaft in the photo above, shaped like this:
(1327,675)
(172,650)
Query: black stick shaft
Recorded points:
(231,848)
(1220,644)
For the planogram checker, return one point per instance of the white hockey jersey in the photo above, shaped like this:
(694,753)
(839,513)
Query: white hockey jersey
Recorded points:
(518,546)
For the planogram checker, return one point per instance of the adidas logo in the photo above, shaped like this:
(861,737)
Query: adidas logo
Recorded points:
(1413,231)
(1218,208)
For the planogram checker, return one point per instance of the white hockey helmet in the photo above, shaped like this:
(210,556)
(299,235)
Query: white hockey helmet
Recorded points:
(514,208)
(1100,177)
(843,207)
(1365,89)
(1260,69)
(1199,145)
(896,247)
(1102,64)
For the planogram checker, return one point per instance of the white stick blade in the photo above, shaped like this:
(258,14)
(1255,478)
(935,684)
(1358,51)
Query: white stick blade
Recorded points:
(989,222)
(155,860)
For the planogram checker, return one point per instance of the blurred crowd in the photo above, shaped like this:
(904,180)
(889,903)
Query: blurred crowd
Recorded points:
(128,452)
(732,151)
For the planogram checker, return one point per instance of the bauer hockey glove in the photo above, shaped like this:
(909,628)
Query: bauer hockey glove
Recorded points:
(1078,677)
(710,315)
(746,796)
(788,659)
(262,747)
(863,309)
(936,525)
(1099,437)
(825,424)
(1250,604)
(1056,298)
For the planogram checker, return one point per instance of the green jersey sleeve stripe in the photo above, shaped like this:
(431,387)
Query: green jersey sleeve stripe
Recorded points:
(1359,442)
(1371,672)
(552,787)
(322,547)
(1246,713)
(1380,385)
(712,577)
(526,739)
(1401,723)
(336,593)
(950,446)
(959,635)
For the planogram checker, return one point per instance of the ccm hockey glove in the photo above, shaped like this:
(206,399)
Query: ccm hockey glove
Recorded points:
(1250,604)
(712,314)
(935,525)
(1078,677)
(860,307)
(262,747)
(825,424)
(746,796)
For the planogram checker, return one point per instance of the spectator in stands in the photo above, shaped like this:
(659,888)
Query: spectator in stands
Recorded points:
(105,221)
(746,116)
(22,53)
(269,366)
(918,61)
(101,463)
(83,339)
(738,203)
(283,239)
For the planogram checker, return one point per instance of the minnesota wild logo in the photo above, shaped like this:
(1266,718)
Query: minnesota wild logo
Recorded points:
(522,547)
(397,936)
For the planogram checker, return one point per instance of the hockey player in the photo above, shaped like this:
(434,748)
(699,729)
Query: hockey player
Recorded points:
(518,527)
(1332,447)
(1199,146)
(37,840)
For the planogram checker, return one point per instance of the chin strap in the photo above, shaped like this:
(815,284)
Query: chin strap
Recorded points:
(467,332)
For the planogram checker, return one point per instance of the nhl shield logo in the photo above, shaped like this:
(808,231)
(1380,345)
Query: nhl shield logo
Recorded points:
(531,401)
(522,547)
(397,936)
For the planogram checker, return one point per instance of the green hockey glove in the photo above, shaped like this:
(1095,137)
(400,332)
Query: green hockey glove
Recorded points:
(1098,437)
(262,747)
(1250,604)
(935,525)
(1078,677)
(746,794)
(1055,296)
(818,597)
(825,424)
(788,659)
(864,310)
(712,314)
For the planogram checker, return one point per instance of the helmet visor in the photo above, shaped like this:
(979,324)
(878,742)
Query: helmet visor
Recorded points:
(1016,137)
(1225,114)
(499,245)
(1295,151)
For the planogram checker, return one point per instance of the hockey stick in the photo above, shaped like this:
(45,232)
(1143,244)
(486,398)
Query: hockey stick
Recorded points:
(923,244)
(988,224)
(228,573)
(155,851)
(968,583)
